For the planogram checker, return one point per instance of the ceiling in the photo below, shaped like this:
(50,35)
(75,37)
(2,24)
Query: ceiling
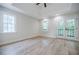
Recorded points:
(41,12)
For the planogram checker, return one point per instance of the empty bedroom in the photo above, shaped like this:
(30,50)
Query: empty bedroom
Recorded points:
(39,28)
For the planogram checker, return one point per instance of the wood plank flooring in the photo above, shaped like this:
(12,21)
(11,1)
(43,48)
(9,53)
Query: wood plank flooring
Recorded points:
(42,46)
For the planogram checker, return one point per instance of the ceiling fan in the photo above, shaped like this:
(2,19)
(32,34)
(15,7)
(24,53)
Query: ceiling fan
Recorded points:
(43,3)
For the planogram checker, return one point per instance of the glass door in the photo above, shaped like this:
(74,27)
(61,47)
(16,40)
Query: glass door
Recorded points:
(70,29)
(66,29)
(61,29)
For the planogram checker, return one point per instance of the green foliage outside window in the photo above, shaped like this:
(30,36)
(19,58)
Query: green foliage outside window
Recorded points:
(69,28)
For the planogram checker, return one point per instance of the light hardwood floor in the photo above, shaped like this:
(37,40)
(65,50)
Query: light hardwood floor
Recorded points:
(41,46)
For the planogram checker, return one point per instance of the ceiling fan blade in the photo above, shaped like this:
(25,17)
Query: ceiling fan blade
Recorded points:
(37,3)
(45,5)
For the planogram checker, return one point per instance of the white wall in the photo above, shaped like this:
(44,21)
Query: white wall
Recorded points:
(26,27)
(51,29)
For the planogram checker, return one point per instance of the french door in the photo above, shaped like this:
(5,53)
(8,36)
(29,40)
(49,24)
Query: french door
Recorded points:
(67,29)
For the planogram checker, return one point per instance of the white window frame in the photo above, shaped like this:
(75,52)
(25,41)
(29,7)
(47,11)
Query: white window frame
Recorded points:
(9,24)
(45,22)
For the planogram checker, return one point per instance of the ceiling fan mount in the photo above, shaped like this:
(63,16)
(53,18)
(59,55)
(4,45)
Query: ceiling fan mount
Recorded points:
(45,5)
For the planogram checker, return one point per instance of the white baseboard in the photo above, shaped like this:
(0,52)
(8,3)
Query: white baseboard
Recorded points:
(17,40)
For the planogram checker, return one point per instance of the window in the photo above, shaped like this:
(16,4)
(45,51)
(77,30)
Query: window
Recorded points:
(61,28)
(71,28)
(67,27)
(8,23)
(45,24)
(60,25)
